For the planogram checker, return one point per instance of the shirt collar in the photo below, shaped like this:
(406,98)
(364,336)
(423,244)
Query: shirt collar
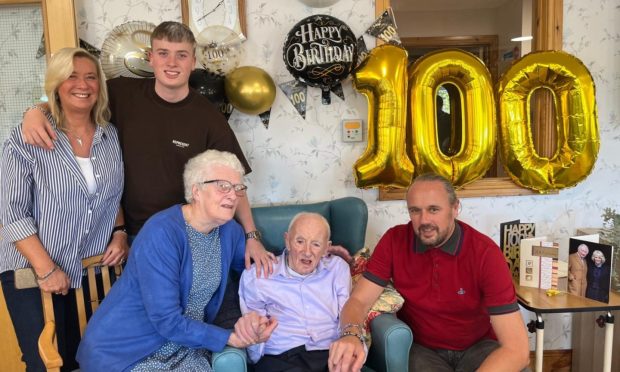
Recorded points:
(451,247)
(282,269)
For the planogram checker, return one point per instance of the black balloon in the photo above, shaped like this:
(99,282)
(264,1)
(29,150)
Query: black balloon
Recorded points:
(320,51)
(211,85)
(208,84)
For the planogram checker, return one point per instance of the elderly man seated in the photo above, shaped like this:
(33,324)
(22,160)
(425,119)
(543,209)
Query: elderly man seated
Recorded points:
(305,294)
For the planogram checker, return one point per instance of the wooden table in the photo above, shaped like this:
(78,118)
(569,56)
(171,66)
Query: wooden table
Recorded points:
(537,301)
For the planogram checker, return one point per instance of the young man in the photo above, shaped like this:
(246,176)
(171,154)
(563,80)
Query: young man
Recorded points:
(459,298)
(162,123)
(305,295)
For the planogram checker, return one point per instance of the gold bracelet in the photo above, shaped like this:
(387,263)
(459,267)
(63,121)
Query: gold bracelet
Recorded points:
(359,336)
(35,106)
(359,327)
(46,276)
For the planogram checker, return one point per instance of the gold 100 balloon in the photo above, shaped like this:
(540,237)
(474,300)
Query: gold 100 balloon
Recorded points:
(395,152)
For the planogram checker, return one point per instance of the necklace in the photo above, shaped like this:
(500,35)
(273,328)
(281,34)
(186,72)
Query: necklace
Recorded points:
(78,139)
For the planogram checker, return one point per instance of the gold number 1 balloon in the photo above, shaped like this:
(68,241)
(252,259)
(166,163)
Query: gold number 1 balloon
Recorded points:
(382,78)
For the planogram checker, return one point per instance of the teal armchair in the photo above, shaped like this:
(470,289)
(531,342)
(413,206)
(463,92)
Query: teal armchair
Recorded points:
(348,218)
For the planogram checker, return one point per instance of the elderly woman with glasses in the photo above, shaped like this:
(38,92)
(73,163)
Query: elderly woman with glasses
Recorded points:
(159,314)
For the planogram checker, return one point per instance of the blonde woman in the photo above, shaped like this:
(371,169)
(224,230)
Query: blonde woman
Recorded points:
(59,207)
(598,278)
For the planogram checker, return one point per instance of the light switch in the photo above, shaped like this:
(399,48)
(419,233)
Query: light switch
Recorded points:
(352,130)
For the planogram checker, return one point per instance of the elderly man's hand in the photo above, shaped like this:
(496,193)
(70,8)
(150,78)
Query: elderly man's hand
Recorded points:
(346,355)
(262,258)
(250,329)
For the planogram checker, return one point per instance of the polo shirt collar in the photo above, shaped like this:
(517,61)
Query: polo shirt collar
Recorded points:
(451,247)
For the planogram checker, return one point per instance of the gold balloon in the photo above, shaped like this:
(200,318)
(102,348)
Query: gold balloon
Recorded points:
(479,130)
(250,90)
(382,78)
(576,122)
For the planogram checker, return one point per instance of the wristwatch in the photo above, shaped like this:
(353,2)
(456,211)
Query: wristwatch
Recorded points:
(119,228)
(253,235)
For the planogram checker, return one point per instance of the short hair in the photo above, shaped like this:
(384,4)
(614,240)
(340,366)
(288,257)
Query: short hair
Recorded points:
(598,254)
(200,167)
(447,185)
(310,214)
(583,246)
(59,68)
(175,32)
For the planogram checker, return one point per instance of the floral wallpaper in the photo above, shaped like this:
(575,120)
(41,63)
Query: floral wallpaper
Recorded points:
(300,161)
(23,67)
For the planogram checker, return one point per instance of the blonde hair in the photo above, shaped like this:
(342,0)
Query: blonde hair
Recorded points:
(598,254)
(199,168)
(60,67)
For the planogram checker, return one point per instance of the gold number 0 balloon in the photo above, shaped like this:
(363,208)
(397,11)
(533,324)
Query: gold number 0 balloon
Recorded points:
(382,78)
(473,81)
(576,122)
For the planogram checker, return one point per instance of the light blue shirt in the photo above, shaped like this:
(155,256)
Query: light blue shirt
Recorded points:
(307,308)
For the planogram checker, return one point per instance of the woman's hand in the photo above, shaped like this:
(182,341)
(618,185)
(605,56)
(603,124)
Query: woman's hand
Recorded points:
(57,283)
(252,329)
(262,258)
(117,250)
(340,251)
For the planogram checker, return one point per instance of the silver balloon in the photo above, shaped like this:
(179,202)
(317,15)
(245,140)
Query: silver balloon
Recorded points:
(125,50)
(219,50)
(319,3)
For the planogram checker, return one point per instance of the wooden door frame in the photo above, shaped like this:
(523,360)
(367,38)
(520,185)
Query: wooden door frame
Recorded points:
(547,23)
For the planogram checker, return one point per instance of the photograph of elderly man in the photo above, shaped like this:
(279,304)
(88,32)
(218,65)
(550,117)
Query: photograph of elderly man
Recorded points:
(578,269)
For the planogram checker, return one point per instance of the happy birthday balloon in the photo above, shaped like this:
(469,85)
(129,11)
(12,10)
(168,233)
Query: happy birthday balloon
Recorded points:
(320,51)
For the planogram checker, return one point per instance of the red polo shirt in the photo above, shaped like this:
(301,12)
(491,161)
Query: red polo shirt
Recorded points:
(449,291)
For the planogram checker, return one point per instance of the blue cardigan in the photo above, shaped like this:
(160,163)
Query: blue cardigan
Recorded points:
(145,307)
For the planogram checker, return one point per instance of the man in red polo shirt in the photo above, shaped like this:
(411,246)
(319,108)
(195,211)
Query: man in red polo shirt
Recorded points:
(459,298)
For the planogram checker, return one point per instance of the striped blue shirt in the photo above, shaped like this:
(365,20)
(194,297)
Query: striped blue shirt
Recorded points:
(44,192)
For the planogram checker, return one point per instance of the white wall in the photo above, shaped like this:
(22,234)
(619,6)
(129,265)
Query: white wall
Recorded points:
(298,160)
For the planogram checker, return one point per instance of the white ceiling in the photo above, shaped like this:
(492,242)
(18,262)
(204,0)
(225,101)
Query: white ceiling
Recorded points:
(435,5)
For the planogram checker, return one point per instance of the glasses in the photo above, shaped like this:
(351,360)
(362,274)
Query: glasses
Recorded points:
(224,187)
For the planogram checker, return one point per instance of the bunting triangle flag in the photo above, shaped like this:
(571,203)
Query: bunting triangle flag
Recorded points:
(264,117)
(90,48)
(362,50)
(337,90)
(384,28)
(296,92)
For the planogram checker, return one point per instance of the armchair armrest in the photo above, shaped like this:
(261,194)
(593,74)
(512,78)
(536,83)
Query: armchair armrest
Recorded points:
(47,349)
(391,341)
(231,359)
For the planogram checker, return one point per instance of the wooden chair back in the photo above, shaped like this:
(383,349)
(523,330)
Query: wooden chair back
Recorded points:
(48,348)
